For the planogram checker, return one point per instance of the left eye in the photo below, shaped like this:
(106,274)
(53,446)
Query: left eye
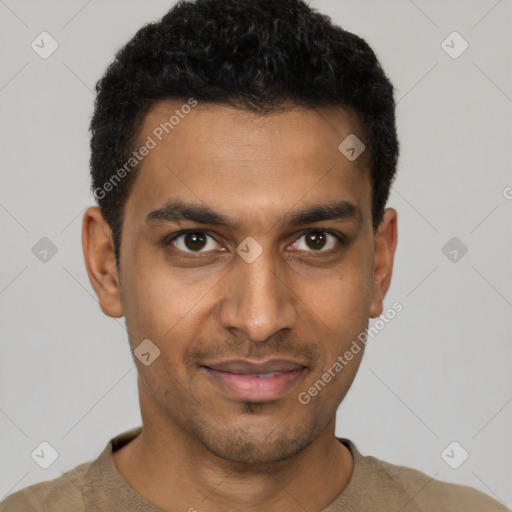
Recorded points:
(317,241)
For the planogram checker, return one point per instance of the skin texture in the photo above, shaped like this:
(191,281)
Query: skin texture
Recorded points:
(201,446)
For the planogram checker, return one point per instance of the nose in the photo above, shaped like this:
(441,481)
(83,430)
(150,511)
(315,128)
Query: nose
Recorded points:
(256,300)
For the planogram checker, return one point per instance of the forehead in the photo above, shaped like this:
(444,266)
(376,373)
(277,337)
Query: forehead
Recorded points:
(248,164)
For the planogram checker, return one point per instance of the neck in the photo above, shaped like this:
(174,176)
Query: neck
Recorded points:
(175,472)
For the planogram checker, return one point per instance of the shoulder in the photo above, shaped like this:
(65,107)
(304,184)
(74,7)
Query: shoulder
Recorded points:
(62,493)
(418,491)
(446,496)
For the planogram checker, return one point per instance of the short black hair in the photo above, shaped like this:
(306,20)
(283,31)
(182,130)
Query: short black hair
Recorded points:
(252,54)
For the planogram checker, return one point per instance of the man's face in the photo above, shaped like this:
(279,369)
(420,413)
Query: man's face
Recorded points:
(221,318)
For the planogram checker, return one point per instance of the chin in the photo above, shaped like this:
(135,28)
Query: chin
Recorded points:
(255,444)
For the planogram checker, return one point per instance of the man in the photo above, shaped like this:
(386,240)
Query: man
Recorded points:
(242,156)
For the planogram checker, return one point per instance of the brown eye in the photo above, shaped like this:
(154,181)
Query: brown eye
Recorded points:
(194,241)
(316,240)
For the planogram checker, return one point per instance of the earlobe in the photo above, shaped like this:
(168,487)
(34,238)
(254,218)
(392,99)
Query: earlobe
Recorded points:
(98,250)
(386,240)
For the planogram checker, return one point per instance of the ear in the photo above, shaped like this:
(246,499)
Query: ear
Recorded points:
(385,245)
(100,262)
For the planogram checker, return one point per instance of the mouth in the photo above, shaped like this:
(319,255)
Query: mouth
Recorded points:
(256,381)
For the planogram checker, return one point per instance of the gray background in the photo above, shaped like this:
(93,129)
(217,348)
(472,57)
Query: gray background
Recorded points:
(438,373)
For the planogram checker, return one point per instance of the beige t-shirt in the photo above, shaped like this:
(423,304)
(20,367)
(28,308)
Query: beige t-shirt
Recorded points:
(374,486)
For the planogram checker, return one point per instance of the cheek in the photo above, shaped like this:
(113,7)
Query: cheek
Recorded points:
(156,303)
(339,307)
(343,297)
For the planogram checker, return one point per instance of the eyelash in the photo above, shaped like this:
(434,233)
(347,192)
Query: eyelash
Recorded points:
(340,237)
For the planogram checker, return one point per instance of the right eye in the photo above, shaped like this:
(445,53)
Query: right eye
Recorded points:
(193,241)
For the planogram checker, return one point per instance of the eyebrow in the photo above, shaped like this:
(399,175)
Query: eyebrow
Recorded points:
(176,211)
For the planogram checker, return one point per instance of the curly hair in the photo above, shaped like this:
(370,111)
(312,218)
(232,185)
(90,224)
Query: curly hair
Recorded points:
(250,54)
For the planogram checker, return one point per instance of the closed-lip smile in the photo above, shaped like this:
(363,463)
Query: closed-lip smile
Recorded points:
(254,380)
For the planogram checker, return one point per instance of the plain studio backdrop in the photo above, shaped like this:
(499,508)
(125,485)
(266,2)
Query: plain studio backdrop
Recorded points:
(434,390)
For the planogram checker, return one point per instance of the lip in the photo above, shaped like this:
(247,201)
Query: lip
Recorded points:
(242,378)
